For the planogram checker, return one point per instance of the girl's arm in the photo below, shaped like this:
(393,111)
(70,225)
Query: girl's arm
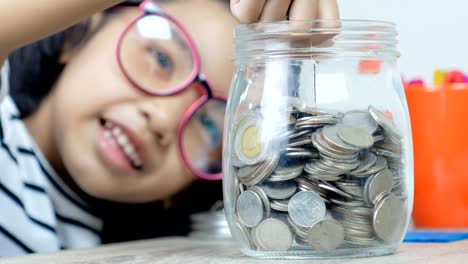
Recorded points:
(25,21)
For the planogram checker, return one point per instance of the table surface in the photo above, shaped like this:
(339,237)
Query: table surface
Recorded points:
(184,250)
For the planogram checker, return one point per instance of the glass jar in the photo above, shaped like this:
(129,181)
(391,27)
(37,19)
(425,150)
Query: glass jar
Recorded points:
(318,158)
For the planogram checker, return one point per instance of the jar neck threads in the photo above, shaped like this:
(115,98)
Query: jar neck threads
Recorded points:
(316,39)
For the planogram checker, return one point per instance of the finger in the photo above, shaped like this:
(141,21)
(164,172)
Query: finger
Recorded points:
(328,9)
(247,11)
(275,10)
(304,10)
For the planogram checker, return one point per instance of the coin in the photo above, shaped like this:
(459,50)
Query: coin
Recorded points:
(284,177)
(280,205)
(300,142)
(244,234)
(249,208)
(252,175)
(330,134)
(333,189)
(390,219)
(385,122)
(289,169)
(327,234)
(266,202)
(361,119)
(382,182)
(250,147)
(236,162)
(273,235)
(356,137)
(306,208)
(279,190)
(367,160)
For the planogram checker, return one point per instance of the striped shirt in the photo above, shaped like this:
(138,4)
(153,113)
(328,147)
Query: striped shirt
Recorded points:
(38,212)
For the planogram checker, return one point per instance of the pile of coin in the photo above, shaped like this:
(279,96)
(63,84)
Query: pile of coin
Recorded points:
(320,178)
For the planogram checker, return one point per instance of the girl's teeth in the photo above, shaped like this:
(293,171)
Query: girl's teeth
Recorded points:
(117,131)
(116,135)
(122,139)
(137,163)
(107,134)
(129,149)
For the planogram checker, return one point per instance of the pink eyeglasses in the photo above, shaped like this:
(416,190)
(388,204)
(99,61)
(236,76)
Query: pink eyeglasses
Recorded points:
(158,57)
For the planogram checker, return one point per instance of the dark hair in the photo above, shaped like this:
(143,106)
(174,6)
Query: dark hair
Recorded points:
(35,68)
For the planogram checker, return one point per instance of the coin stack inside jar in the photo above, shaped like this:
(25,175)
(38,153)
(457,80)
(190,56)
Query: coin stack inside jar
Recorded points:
(321,179)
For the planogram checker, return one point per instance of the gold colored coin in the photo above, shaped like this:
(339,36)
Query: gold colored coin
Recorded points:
(250,142)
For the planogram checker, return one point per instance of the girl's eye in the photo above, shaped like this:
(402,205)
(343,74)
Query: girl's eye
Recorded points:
(162,61)
(211,129)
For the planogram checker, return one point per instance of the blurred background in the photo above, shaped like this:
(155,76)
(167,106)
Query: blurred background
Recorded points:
(432,33)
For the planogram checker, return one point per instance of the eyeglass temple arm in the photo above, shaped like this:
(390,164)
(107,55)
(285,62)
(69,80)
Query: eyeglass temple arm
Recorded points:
(202,80)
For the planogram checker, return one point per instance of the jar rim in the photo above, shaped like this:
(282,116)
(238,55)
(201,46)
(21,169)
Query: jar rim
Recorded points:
(343,37)
(368,22)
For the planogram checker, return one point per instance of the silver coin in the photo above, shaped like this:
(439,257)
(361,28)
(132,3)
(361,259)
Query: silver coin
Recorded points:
(266,202)
(302,154)
(236,162)
(279,190)
(330,134)
(367,160)
(359,211)
(306,208)
(243,235)
(385,122)
(300,231)
(284,177)
(382,182)
(280,205)
(380,164)
(333,189)
(300,142)
(350,203)
(356,137)
(273,235)
(252,175)
(361,120)
(250,208)
(255,239)
(378,138)
(300,134)
(246,172)
(325,148)
(289,169)
(389,219)
(326,235)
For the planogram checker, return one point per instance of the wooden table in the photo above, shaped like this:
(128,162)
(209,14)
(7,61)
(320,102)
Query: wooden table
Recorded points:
(183,250)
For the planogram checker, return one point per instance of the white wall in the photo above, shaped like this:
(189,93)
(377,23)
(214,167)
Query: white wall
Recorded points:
(433,33)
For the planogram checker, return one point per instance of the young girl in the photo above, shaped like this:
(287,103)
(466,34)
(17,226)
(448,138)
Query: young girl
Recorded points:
(108,123)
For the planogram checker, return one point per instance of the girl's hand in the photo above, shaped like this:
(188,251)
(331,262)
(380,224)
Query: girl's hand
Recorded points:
(251,11)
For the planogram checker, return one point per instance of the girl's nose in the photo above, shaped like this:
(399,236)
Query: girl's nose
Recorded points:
(164,114)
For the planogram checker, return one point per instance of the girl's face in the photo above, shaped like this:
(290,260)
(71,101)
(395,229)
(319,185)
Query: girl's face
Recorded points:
(92,98)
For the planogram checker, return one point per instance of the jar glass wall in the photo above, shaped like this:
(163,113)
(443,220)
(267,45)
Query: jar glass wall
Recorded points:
(318,152)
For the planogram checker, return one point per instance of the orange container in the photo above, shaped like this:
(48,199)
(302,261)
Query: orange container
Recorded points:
(439,119)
